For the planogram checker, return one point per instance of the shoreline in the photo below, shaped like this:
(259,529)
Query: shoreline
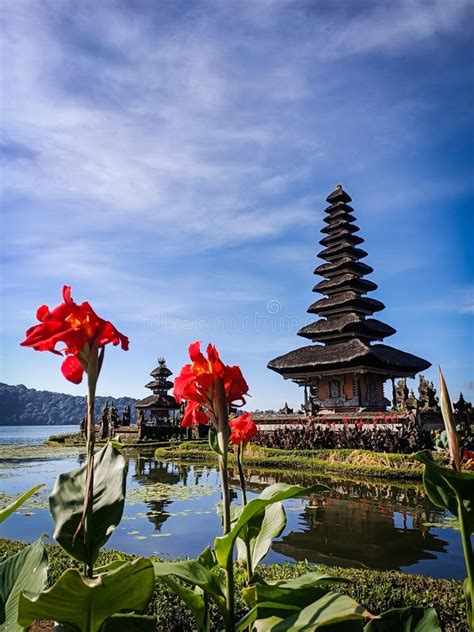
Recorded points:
(351,463)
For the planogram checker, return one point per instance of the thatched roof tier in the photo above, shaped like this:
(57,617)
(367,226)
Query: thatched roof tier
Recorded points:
(342,236)
(161,370)
(344,248)
(354,354)
(338,195)
(340,215)
(341,227)
(160,384)
(342,266)
(345,302)
(158,401)
(346,326)
(345,282)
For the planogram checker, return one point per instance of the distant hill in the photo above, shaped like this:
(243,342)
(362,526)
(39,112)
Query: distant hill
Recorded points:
(21,406)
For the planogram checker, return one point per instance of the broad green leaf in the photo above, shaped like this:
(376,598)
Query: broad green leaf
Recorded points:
(300,591)
(208,558)
(446,487)
(412,619)
(7,511)
(330,609)
(194,573)
(27,570)
(272,524)
(67,502)
(129,623)
(213,441)
(223,545)
(194,599)
(86,603)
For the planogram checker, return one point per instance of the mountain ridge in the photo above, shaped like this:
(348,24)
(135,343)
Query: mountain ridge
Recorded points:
(23,406)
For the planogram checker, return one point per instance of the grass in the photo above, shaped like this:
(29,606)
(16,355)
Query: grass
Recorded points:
(344,462)
(377,590)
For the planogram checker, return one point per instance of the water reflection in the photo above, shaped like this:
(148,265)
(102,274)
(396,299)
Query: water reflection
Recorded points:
(362,524)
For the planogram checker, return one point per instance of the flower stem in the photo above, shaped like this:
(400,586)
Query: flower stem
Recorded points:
(222,415)
(244,501)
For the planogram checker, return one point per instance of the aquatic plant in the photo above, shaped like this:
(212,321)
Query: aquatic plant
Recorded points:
(453,490)
(87,503)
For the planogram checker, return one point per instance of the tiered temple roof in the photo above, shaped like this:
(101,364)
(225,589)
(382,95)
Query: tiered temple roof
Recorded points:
(160,386)
(345,328)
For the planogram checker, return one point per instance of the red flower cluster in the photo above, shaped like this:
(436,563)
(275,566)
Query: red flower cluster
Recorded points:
(78,327)
(243,429)
(196,384)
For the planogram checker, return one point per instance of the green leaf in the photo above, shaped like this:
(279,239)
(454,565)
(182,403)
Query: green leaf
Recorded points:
(213,441)
(67,502)
(208,558)
(299,591)
(223,545)
(271,525)
(446,487)
(27,570)
(194,599)
(330,609)
(7,511)
(412,619)
(86,603)
(129,623)
(195,573)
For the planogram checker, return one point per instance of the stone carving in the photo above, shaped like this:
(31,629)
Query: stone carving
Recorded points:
(126,415)
(401,394)
(104,421)
(412,402)
(113,419)
(428,402)
(286,410)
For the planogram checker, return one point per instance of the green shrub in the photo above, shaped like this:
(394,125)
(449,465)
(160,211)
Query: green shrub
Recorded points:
(341,461)
(378,590)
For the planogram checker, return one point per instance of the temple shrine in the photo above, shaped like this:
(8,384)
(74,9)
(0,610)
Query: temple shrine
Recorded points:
(347,371)
(160,408)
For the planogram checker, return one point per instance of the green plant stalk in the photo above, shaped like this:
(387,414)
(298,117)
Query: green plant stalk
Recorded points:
(469,559)
(89,500)
(222,414)
(240,452)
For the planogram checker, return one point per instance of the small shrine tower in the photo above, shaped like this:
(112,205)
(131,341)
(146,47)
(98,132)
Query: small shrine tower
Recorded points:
(346,372)
(162,407)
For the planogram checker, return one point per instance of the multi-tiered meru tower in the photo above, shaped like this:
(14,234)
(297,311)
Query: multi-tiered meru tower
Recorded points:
(347,371)
(162,406)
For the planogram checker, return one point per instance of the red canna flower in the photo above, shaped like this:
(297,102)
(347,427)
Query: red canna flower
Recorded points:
(243,429)
(196,384)
(79,328)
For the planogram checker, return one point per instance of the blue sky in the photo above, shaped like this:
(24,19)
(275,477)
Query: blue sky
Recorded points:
(170,161)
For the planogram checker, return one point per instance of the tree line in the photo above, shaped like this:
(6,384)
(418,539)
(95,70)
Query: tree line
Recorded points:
(22,406)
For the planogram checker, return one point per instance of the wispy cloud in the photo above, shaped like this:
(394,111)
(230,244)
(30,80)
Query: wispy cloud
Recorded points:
(175,156)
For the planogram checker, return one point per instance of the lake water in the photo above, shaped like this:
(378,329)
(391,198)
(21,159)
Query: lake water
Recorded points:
(31,435)
(171,511)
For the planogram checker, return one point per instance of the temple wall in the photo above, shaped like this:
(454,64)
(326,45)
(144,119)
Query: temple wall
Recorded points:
(323,389)
(348,386)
